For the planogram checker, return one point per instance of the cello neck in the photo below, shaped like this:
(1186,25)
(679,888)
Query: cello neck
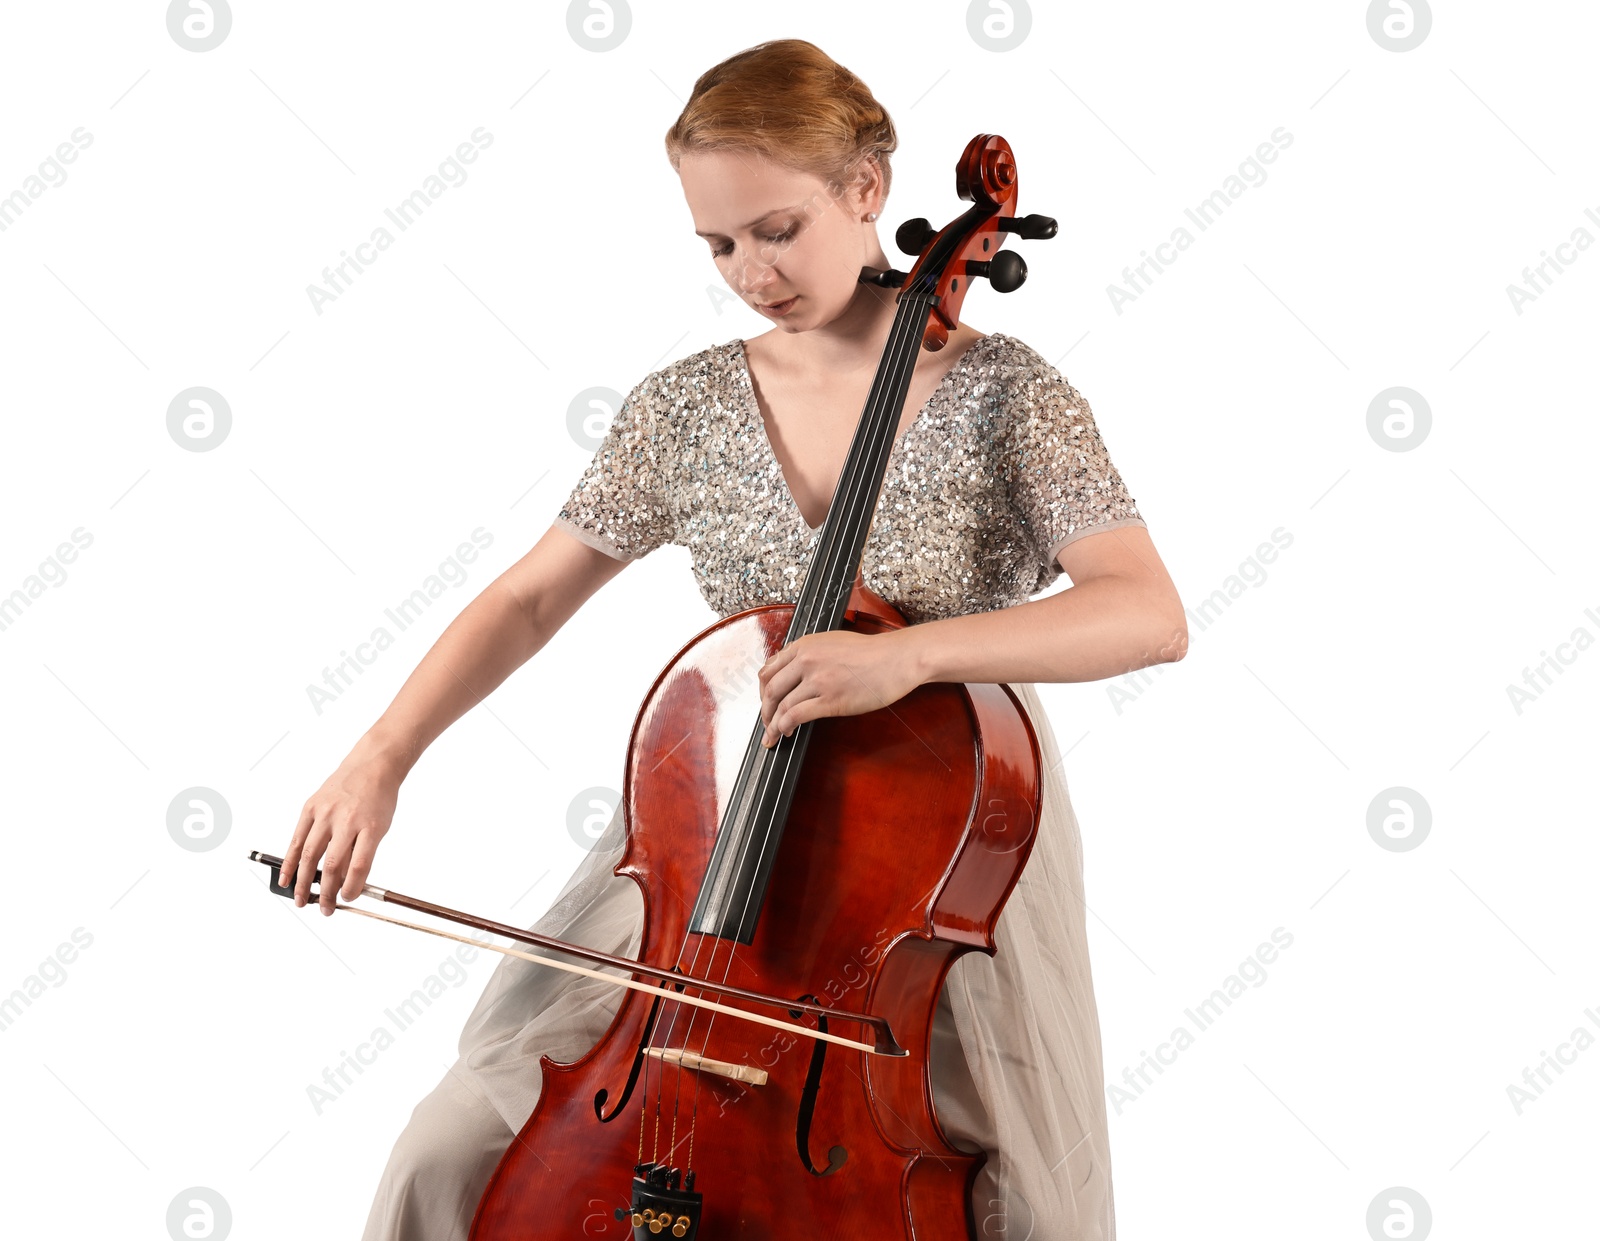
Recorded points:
(826,588)
(731,895)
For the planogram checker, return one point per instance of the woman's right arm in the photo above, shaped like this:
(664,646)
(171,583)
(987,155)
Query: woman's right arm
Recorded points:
(499,631)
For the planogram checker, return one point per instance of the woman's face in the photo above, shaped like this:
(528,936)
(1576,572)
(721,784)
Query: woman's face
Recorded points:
(781,238)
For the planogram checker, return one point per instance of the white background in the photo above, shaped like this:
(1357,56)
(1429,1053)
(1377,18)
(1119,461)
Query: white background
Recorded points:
(1223,798)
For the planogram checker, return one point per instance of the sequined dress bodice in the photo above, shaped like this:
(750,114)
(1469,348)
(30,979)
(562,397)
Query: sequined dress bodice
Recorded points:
(998,471)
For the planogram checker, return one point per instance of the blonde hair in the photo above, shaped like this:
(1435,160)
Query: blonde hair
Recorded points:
(790,101)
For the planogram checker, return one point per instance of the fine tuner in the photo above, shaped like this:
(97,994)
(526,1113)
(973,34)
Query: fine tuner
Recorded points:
(1005,271)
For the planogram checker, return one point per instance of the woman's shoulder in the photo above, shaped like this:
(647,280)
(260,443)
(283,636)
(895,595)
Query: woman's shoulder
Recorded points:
(1016,373)
(710,374)
(1012,356)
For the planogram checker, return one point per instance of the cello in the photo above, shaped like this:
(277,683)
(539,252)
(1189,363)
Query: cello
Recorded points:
(766,1073)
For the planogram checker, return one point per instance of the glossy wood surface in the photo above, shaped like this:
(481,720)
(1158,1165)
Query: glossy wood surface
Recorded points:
(909,830)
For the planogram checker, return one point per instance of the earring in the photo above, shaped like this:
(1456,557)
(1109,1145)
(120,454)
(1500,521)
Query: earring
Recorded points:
(871,215)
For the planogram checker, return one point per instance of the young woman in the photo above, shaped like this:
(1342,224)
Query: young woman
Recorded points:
(998,481)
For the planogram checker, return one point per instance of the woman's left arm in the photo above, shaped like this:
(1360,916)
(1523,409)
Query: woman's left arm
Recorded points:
(1121,613)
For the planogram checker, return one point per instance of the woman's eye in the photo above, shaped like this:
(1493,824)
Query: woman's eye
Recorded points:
(775,239)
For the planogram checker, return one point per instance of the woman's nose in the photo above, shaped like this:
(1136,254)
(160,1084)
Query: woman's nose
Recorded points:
(752,272)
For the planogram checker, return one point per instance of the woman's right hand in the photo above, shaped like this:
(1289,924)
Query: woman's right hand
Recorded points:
(340,827)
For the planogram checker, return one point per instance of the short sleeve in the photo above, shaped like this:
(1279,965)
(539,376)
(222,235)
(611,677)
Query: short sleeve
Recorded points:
(1064,485)
(618,505)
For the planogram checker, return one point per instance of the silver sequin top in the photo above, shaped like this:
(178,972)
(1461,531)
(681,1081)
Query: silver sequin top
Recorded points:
(1001,469)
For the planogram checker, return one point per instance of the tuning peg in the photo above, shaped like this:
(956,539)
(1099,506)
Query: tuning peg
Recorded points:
(914,235)
(1006,271)
(889,278)
(1029,227)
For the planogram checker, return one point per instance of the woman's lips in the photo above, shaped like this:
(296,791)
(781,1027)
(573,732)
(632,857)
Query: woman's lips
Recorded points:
(778,309)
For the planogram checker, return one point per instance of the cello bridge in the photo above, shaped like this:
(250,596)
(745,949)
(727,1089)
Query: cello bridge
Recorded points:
(705,1064)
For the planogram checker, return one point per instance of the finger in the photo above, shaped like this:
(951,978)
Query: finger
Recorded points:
(784,682)
(771,700)
(296,840)
(793,711)
(774,665)
(366,848)
(316,842)
(334,865)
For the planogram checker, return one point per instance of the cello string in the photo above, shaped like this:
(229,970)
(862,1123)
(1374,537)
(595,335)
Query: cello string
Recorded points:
(853,510)
(857,507)
(828,555)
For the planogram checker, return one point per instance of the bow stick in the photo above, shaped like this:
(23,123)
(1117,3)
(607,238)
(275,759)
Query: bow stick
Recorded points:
(885,1046)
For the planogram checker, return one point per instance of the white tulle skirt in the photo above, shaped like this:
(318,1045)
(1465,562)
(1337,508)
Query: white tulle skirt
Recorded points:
(1015,1059)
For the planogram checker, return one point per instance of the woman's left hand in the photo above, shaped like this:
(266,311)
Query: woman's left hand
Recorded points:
(837,672)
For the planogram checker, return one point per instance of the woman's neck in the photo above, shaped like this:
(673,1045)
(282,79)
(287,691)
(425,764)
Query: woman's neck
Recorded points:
(851,343)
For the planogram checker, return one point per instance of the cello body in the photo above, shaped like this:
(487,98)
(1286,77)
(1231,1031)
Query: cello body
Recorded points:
(902,845)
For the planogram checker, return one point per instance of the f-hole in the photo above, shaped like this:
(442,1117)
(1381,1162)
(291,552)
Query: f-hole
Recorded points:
(633,1072)
(808,1099)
